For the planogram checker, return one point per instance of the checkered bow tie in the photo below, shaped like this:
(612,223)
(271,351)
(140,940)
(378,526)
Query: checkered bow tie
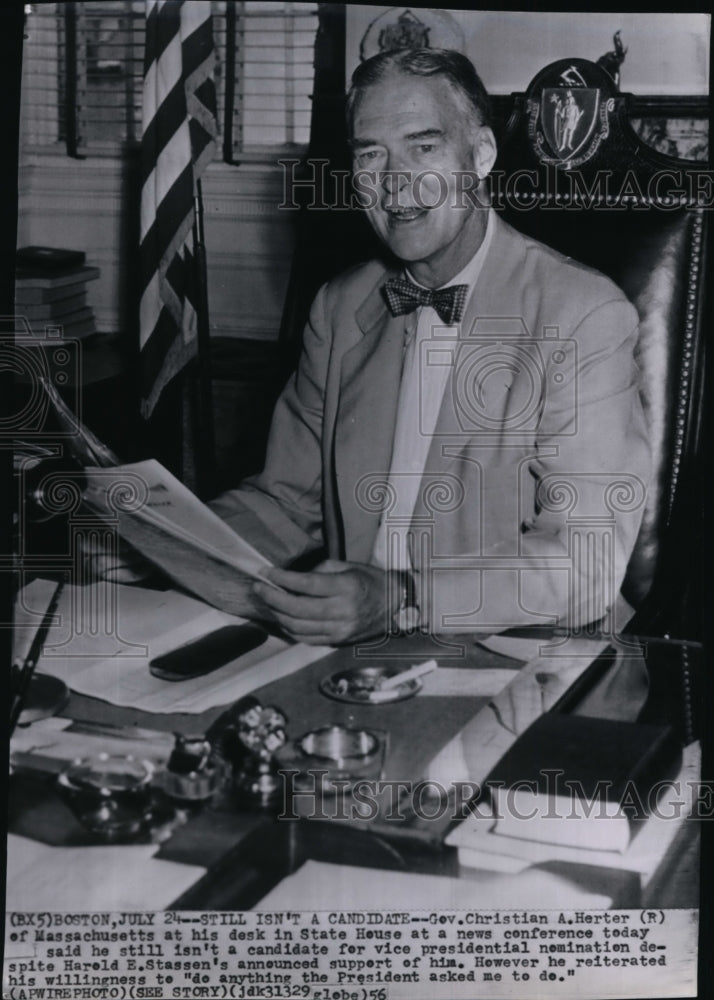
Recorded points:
(404,297)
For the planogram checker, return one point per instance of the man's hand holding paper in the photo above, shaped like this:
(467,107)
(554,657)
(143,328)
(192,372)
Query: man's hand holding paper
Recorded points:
(336,603)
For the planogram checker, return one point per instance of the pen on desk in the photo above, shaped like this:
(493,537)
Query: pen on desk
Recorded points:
(408,675)
(27,669)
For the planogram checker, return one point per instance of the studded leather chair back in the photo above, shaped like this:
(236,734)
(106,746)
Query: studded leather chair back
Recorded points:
(573,173)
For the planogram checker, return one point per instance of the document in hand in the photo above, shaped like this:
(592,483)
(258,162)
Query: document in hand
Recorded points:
(163,520)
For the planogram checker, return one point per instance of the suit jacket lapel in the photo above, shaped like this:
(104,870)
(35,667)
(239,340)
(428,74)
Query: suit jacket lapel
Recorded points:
(497,295)
(369,393)
(370,377)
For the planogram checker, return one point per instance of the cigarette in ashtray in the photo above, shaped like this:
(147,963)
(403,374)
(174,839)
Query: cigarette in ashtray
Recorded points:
(408,675)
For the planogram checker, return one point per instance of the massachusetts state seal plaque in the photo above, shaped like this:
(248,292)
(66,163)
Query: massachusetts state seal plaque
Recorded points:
(568,120)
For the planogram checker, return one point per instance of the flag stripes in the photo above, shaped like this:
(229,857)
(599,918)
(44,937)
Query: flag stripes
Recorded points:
(160,129)
(178,140)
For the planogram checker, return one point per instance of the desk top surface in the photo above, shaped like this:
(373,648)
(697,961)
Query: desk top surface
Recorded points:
(246,853)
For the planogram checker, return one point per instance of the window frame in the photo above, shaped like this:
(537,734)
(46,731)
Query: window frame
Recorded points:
(32,142)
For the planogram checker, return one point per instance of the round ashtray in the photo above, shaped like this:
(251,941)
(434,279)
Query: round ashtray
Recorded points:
(363,685)
(340,745)
(326,761)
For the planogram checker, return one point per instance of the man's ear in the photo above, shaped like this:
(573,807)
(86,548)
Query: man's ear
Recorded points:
(484,151)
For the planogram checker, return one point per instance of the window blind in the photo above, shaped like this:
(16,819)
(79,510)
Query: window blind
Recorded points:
(83,68)
(275,50)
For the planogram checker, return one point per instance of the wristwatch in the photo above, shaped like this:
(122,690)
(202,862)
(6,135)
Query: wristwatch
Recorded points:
(407,617)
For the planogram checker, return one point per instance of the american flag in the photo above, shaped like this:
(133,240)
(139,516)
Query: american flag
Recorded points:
(178,140)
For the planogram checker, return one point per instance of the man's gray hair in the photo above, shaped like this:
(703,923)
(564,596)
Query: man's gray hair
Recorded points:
(454,67)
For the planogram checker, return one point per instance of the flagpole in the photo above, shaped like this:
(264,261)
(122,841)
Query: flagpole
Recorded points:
(204,431)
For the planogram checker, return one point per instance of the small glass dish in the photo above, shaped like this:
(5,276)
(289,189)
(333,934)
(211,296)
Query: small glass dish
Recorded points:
(363,685)
(109,794)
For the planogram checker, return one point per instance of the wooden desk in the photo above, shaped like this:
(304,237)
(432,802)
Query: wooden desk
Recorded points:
(247,852)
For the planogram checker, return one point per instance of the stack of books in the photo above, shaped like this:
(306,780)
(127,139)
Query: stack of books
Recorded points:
(50,290)
(629,786)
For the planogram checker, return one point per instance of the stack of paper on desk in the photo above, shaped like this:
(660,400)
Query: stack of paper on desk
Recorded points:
(480,846)
(318,885)
(106,634)
(81,879)
(581,781)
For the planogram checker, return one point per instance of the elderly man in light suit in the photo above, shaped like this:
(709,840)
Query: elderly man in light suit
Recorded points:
(455,453)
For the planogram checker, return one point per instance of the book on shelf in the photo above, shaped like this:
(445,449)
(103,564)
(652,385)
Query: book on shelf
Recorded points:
(79,328)
(54,311)
(37,295)
(171,528)
(28,279)
(76,317)
(50,289)
(48,259)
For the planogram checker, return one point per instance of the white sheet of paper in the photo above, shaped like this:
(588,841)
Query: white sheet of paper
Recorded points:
(106,634)
(318,885)
(450,681)
(81,879)
(173,529)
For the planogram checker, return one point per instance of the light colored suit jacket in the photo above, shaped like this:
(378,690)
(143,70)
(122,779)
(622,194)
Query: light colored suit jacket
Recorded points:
(536,475)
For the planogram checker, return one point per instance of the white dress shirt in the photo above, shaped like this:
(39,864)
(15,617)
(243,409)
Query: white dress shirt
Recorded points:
(421,392)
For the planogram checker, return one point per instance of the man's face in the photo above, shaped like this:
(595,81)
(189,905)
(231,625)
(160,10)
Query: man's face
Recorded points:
(413,132)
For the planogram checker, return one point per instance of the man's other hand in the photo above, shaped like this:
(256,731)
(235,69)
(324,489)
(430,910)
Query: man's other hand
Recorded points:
(339,602)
